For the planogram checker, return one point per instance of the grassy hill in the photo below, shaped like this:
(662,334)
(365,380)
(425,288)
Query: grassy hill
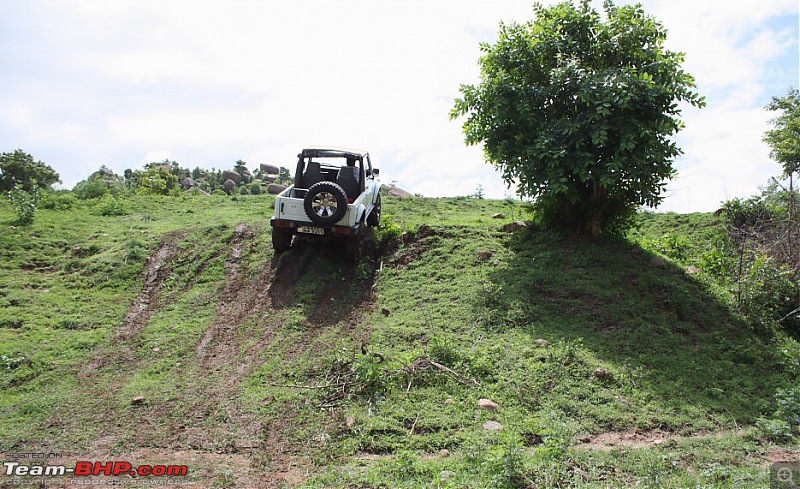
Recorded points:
(165,331)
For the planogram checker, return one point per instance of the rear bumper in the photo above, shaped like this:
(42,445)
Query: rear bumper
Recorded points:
(328,230)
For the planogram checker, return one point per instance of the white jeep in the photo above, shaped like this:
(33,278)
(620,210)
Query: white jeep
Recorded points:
(335,194)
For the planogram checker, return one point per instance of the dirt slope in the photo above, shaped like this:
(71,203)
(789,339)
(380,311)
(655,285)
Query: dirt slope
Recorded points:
(241,451)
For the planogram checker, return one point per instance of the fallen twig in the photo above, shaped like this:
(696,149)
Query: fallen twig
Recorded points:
(310,387)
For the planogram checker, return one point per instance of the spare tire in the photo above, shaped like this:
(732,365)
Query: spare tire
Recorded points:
(325,203)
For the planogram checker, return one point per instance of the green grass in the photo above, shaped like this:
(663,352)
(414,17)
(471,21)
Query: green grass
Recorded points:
(363,375)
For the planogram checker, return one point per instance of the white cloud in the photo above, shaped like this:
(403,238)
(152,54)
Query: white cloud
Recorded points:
(206,83)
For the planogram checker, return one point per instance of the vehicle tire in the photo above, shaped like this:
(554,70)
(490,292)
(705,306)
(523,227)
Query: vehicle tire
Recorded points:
(352,248)
(325,203)
(374,217)
(281,239)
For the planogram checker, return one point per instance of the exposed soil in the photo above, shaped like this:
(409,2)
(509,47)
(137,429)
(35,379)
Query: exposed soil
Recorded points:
(635,439)
(146,303)
(625,439)
(240,299)
(784,455)
(223,443)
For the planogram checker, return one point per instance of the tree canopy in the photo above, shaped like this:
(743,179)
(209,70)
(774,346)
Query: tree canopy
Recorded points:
(784,138)
(578,109)
(19,169)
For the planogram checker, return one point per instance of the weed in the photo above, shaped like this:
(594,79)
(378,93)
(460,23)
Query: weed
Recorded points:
(388,232)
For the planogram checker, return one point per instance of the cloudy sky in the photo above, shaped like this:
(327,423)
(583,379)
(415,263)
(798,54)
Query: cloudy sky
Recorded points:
(205,83)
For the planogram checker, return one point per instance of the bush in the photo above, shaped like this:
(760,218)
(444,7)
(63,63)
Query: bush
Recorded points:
(676,247)
(788,402)
(90,190)
(111,206)
(752,212)
(24,202)
(785,421)
(776,430)
(388,231)
(768,290)
(59,200)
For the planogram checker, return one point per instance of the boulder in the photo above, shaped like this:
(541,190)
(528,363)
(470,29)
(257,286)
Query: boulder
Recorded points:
(275,188)
(484,254)
(398,192)
(270,178)
(197,190)
(499,215)
(513,227)
(447,474)
(658,262)
(492,426)
(488,405)
(232,175)
(269,169)
(602,374)
(229,185)
(188,182)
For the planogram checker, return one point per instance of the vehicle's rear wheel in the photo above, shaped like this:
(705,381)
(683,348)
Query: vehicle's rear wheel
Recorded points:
(281,239)
(374,217)
(325,203)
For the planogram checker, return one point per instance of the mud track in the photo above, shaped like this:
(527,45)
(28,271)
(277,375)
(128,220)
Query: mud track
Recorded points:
(235,447)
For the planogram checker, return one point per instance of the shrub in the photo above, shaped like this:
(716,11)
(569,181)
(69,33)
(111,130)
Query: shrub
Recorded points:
(775,430)
(754,211)
(24,203)
(59,200)
(111,206)
(676,247)
(90,189)
(767,289)
(388,231)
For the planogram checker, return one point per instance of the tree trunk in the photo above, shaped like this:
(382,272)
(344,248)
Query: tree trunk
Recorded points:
(595,223)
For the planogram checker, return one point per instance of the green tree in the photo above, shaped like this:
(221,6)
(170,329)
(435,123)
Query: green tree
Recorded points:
(157,180)
(18,169)
(90,189)
(784,138)
(240,167)
(100,183)
(578,110)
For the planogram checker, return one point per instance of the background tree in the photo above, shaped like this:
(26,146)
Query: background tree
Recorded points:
(157,180)
(784,138)
(240,167)
(19,169)
(100,183)
(578,111)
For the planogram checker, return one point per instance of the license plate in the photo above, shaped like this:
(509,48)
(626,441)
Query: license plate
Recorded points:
(310,230)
